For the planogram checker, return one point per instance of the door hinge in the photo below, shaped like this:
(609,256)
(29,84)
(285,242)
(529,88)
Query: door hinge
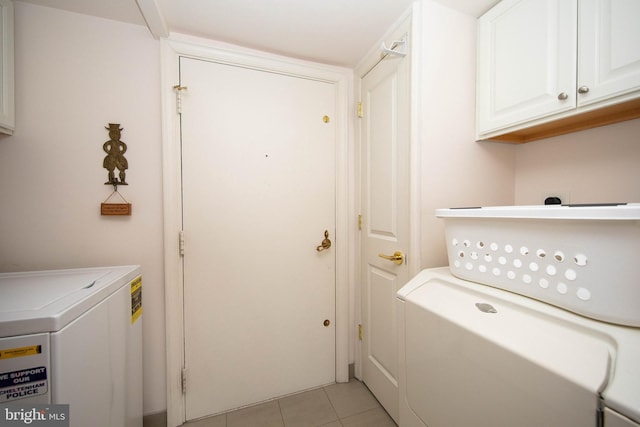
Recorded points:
(181,242)
(360,222)
(178,89)
(183,380)
(360,333)
(360,113)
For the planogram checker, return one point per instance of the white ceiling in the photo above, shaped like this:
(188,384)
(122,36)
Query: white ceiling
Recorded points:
(338,32)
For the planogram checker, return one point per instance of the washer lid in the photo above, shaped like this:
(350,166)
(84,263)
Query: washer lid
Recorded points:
(46,301)
(34,291)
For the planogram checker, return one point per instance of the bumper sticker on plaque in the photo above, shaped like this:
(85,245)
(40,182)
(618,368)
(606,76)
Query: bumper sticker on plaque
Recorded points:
(29,382)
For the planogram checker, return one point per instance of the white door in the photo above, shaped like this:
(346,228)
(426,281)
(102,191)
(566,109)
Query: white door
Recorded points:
(385,140)
(609,49)
(258,156)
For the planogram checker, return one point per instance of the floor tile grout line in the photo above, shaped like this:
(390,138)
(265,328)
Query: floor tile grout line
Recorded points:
(324,389)
(340,419)
(281,414)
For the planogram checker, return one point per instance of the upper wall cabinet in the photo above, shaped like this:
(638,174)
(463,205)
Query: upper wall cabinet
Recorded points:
(548,67)
(7,103)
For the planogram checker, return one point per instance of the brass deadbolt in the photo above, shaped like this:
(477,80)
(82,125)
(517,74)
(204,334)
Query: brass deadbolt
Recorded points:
(326,119)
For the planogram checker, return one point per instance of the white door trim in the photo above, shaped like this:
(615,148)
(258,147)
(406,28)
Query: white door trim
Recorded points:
(415,161)
(171,50)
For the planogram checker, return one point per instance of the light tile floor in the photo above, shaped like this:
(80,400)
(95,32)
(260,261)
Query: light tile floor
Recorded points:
(339,405)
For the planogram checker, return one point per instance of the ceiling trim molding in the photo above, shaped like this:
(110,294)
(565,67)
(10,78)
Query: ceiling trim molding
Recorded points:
(154,18)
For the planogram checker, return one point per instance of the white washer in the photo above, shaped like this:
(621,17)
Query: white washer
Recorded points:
(474,355)
(74,337)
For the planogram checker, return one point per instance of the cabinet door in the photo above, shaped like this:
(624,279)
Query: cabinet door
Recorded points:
(526,62)
(609,49)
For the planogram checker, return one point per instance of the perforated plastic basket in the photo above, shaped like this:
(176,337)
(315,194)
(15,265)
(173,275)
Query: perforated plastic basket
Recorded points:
(585,259)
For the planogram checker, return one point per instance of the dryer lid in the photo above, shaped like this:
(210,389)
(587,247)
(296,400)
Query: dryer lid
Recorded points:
(505,363)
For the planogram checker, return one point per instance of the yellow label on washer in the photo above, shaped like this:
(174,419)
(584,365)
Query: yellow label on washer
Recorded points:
(136,299)
(20,352)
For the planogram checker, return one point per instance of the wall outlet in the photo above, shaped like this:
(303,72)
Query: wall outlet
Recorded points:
(564,195)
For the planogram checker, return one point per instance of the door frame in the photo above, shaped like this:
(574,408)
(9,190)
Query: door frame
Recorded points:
(184,46)
(408,23)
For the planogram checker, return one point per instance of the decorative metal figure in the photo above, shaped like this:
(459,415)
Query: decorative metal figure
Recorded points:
(115,150)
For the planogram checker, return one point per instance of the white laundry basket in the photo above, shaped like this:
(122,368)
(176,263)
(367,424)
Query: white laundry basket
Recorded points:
(585,259)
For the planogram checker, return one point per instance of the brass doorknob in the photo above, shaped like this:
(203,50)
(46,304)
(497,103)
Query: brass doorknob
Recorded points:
(326,243)
(397,257)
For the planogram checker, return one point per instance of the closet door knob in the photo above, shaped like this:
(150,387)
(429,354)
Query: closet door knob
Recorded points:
(562,96)
(397,257)
(583,89)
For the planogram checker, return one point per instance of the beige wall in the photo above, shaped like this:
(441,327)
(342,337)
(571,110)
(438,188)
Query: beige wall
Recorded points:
(456,171)
(593,166)
(74,75)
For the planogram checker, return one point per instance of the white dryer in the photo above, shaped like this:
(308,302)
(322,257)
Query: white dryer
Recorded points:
(475,355)
(536,321)
(74,337)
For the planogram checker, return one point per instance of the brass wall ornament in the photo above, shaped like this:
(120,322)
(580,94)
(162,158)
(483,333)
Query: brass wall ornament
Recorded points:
(115,149)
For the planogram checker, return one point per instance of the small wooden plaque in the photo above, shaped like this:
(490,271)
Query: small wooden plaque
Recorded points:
(115,209)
